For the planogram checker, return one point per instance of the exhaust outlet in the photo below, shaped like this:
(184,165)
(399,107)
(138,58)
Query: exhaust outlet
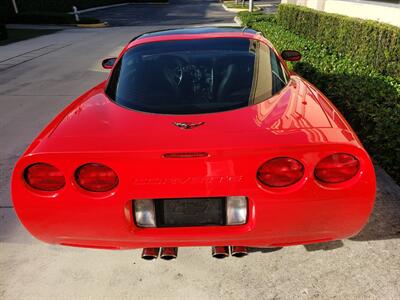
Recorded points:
(150,253)
(169,253)
(239,251)
(220,251)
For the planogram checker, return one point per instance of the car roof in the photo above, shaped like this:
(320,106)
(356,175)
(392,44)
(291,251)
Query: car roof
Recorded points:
(196,30)
(193,33)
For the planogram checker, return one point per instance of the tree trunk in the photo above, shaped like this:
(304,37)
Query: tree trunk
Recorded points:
(3,32)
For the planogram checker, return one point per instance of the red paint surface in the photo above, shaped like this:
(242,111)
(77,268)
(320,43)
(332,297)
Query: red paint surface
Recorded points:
(299,122)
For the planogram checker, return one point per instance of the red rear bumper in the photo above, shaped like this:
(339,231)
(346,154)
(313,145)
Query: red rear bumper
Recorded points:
(272,222)
(305,213)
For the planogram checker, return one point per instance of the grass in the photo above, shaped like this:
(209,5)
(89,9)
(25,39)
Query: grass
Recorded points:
(16,35)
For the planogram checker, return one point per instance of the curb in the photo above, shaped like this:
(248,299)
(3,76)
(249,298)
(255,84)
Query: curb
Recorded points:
(97,25)
(149,3)
(236,10)
(98,8)
(57,26)
(114,5)
(39,26)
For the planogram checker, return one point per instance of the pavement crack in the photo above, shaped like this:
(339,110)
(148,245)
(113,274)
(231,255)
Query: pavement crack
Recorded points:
(1,61)
(23,58)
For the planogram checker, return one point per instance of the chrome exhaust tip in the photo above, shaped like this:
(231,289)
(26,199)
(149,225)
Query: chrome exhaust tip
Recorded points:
(239,251)
(169,253)
(220,251)
(150,253)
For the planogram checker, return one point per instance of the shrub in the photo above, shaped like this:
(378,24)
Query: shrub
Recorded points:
(373,43)
(369,100)
(248,19)
(6,10)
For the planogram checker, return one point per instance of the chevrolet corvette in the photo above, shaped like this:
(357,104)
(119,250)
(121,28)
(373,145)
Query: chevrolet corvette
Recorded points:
(199,137)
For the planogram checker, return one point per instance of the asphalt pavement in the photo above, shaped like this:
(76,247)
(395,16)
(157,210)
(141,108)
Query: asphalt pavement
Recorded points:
(177,12)
(65,64)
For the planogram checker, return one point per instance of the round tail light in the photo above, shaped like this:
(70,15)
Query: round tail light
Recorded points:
(280,172)
(44,177)
(96,178)
(337,168)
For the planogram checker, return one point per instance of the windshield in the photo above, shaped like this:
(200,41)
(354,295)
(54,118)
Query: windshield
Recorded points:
(196,76)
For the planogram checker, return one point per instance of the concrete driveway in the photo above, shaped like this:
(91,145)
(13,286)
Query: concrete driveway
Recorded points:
(63,65)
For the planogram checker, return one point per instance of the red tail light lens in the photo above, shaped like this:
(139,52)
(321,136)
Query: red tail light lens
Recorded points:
(337,168)
(44,177)
(96,178)
(280,172)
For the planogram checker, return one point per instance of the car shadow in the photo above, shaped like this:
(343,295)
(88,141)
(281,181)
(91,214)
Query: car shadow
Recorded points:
(263,250)
(332,245)
(384,222)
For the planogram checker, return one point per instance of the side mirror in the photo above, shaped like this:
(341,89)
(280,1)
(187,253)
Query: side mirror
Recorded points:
(291,55)
(108,63)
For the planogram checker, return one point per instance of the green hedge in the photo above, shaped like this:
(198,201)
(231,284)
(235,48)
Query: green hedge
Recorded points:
(369,100)
(370,42)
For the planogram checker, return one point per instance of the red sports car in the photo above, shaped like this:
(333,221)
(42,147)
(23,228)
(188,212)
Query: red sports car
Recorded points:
(199,137)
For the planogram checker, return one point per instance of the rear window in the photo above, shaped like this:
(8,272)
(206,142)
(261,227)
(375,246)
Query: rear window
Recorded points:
(196,76)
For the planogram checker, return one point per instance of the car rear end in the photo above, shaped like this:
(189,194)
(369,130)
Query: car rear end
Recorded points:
(225,148)
(224,198)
